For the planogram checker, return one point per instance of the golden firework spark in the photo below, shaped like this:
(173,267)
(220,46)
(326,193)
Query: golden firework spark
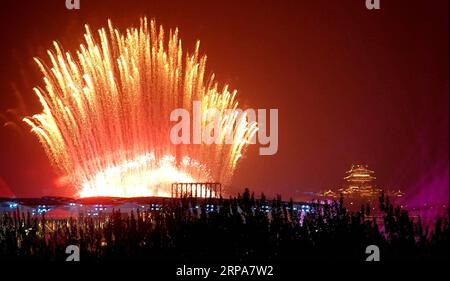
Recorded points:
(105,120)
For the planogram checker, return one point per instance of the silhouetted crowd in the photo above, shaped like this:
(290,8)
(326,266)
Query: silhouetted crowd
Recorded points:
(241,229)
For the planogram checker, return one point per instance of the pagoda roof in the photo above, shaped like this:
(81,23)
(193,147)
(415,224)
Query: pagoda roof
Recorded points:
(360,172)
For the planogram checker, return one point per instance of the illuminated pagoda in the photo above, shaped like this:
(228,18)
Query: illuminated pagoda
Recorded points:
(360,183)
(359,188)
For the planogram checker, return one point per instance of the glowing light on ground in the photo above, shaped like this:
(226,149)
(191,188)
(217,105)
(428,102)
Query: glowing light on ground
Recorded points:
(142,177)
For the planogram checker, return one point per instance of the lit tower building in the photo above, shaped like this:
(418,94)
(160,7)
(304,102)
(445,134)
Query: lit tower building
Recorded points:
(360,183)
(359,188)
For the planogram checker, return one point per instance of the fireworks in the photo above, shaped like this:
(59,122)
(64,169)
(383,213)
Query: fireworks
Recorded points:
(105,121)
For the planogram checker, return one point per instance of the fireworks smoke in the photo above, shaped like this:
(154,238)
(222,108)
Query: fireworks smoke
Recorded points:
(105,121)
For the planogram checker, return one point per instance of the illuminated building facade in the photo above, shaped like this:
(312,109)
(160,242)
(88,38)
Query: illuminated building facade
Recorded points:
(359,188)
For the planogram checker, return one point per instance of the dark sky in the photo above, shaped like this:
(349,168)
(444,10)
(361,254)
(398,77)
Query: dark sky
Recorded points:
(351,85)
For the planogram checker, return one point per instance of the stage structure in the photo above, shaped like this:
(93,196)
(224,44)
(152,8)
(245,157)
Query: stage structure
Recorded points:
(198,190)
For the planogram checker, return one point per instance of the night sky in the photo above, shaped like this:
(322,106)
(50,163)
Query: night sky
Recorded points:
(351,85)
